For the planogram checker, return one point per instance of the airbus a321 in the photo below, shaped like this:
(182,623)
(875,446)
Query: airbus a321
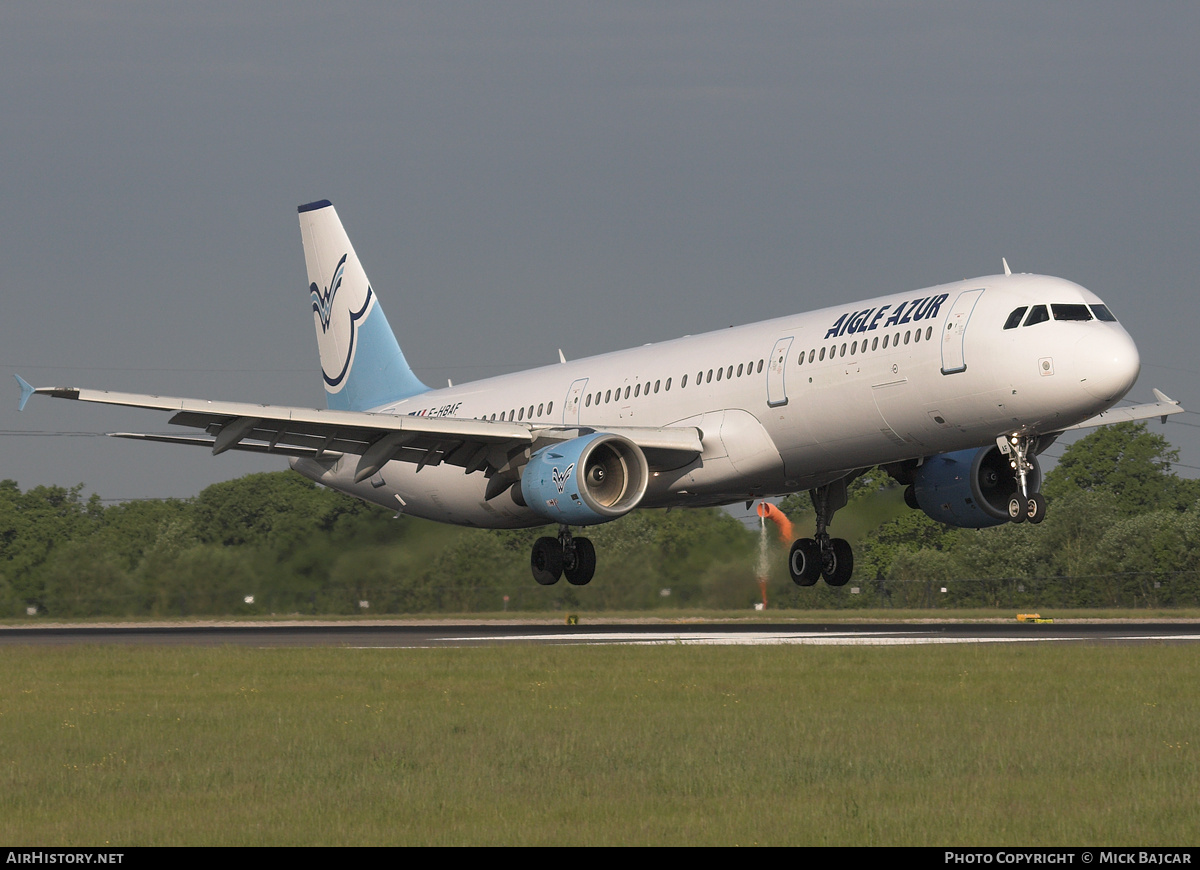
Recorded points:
(954,390)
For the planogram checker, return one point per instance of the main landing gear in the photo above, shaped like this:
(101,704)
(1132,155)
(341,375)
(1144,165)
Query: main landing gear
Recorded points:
(823,556)
(555,557)
(1023,505)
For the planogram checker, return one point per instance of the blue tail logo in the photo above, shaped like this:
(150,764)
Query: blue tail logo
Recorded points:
(323,301)
(323,308)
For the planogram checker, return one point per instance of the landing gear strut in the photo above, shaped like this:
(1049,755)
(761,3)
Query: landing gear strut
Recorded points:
(565,555)
(823,556)
(1023,505)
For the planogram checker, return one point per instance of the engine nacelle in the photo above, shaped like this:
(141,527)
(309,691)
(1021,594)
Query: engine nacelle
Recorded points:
(587,480)
(970,488)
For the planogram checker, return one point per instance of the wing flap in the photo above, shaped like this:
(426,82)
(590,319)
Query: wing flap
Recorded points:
(302,452)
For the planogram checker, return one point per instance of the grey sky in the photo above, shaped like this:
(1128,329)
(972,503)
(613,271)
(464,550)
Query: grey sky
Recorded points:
(522,176)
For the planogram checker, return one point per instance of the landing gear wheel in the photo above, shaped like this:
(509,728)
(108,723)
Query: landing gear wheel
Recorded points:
(804,562)
(1018,507)
(580,572)
(547,561)
(1035,508)
(839,563)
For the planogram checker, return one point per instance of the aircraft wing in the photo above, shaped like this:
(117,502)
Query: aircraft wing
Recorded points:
(1164,407)
(475,445)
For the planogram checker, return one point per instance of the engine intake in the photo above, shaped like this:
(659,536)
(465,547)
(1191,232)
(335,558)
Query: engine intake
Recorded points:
(586,480)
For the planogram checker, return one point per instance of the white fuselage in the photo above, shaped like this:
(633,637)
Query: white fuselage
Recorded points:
(791,403)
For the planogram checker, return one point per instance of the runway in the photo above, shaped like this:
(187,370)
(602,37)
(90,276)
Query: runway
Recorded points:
(411,634)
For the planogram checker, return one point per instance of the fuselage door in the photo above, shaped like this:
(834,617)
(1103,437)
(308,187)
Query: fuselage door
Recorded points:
(776,390)
(953,358)
(571,406)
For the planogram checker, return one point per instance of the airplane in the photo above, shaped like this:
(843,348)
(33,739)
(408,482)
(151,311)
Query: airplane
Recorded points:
(953,390)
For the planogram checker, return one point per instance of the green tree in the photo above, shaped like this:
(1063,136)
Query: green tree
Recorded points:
(1126,460)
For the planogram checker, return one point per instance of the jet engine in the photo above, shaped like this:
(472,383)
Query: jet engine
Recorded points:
(969,488)
(586,480)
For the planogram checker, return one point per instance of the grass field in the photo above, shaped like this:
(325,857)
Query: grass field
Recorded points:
(961,744)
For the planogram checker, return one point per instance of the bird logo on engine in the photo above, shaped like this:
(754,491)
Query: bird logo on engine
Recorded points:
(561,478)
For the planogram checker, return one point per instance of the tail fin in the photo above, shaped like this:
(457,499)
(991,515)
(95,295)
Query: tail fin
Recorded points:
(361,361)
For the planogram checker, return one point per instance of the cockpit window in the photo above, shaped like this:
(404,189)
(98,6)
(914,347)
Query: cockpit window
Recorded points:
(1071,312)
(1014,319)
(1037,314)
(1102,313)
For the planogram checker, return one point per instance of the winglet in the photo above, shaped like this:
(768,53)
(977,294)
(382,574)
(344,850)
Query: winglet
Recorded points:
(26,392)
(1007,271)
(1163,397)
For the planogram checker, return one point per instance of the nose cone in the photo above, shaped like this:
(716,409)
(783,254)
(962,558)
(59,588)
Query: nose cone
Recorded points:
(1108,364)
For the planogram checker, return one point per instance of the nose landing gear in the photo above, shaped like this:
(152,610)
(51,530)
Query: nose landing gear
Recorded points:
(1022,504)
(565,555)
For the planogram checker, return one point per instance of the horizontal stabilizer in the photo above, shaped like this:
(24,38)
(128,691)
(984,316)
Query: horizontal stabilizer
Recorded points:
(26,392)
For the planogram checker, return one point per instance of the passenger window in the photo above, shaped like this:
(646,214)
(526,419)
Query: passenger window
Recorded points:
(1071,312)
(853,348)
(587,403)
(683,383)
(822,354)
(760,364)
(742,366)
(729,372)
(627,392)
(607,396)
(521,415)
(928,333)
(916,336)
(811,355)
(1014,319)
(637,390)
(1102,313)
(541,408)
(667,385)
(719,373)
(531,412)
(906,334)
(799,362)
(1037,314)
(657,384)
(550,408)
